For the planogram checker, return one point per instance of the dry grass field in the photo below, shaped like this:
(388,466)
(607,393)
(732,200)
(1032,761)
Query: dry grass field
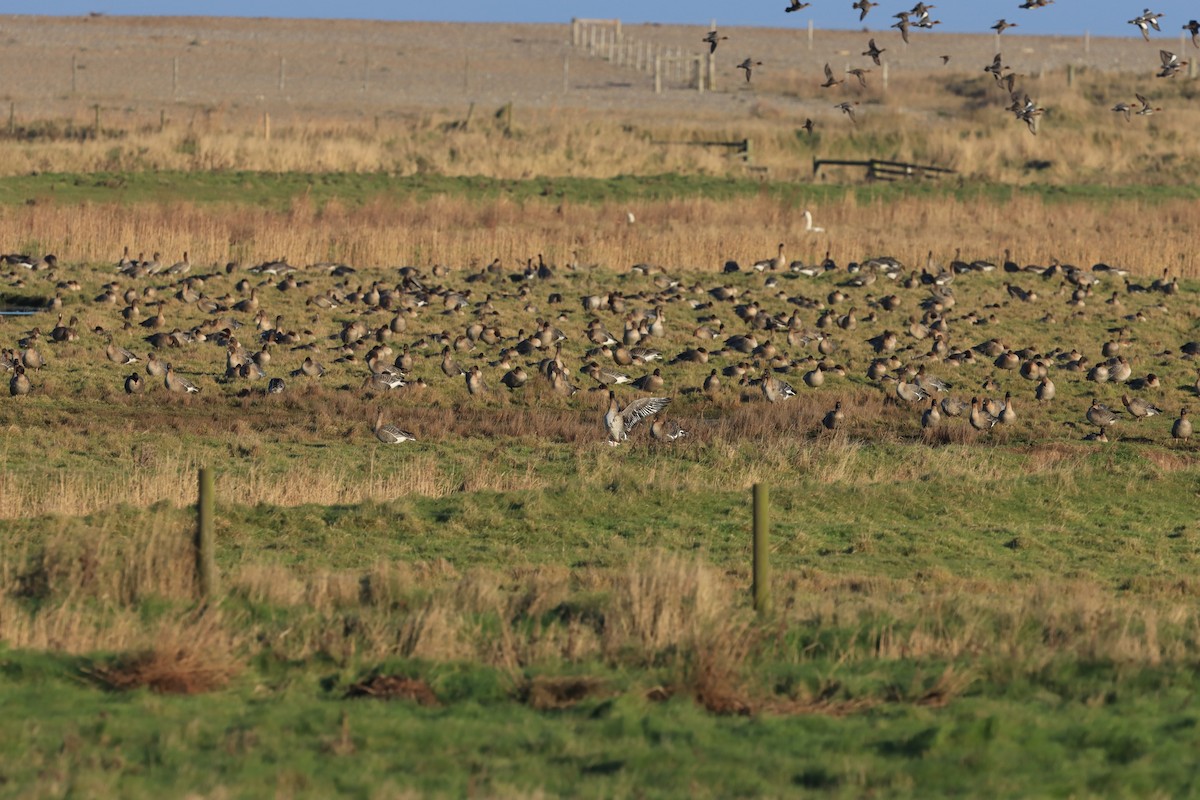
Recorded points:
(957,609)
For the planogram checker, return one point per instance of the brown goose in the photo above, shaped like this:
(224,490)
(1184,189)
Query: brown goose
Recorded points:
(19,384)
(178,384)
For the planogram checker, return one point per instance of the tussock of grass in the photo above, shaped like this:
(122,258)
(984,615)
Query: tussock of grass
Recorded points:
(189,656)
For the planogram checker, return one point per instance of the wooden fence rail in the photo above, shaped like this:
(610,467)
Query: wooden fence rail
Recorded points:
(881,170)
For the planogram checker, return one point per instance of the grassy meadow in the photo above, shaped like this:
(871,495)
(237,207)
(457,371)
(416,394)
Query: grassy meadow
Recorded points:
(510,606)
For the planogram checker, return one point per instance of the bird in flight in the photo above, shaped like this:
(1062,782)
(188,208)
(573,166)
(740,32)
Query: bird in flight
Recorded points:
(903,26)
(860,74)
(874,52)
(1002,25)
(749,65)
(808,126)
(1146,109)
(1123,108)
(848,108)
(945,60)
(1194,27)
(796,6)
(864,6)
(829,79)
(1170,64)
(712,40)
(1035,3)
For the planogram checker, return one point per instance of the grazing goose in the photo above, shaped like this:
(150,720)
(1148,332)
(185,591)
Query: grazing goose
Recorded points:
(1045,390)
(1139,408)
(1101,415)
(19,384)
(1182,429)
(390,434)
(134,383)
(618,421)
(773,389)
(666,430)
(652,382)
(712,384)
(178,384)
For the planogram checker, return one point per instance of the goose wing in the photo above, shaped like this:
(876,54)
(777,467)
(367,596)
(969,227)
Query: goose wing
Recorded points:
(641,408)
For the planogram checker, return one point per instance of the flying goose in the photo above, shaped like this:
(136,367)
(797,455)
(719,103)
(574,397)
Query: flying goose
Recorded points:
(874,52)
(712,40)
(749,65)
(618,421)
(864,6)
(830,81)
(390,434)
(796,5)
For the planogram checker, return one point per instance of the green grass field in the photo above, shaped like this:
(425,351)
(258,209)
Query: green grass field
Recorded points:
(1006,613)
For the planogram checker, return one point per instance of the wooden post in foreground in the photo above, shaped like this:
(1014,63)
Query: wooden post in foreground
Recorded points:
(205,545)
(762,566)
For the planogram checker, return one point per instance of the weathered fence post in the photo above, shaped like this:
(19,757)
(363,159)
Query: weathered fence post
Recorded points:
(282,73)
(658,74)
(74,73)
(566,73)
(762,566)
(810,34)
(206,569)
(96,128)
(174,78)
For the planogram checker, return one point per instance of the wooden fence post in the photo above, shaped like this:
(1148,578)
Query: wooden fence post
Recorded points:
(206,569)
(762,566)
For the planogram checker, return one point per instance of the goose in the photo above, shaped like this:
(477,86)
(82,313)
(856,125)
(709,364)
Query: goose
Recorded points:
(154,367)
(796,5)
(652,382)
(134,383)
(712,38)
(475,384)
(848,109)
(830,81)
(19,384)
(1101,415)
(666,430)
(910,392)
(1194,28)
(775,390)
(712,384)
(1045,390)
(618,421)
(275,386)
(808,223)
(1182,429)
(515,378)
(1139,408)
(932,416)
(32,359)
(1003,25)
(863,6)
(834,418)
(748,65)
(953,407)
(178,384)
(1008,414)
(119,355)
(389,433)
(815,377)
(772,264)
(980,419)
(1146,109)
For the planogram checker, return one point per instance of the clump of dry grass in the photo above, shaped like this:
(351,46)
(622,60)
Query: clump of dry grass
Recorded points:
(192,655)
(394,687)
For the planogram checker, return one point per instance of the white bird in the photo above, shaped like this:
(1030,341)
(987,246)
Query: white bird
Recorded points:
(808,226)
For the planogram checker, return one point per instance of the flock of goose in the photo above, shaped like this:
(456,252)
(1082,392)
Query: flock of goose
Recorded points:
(1023,108)
(400,331)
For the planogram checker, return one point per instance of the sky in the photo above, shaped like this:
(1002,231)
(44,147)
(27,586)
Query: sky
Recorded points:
(1069,17)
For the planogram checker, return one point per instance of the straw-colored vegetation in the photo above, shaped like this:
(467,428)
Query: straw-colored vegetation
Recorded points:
(550,614)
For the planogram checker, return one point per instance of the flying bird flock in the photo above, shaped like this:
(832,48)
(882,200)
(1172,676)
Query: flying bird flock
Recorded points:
(1021,105)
